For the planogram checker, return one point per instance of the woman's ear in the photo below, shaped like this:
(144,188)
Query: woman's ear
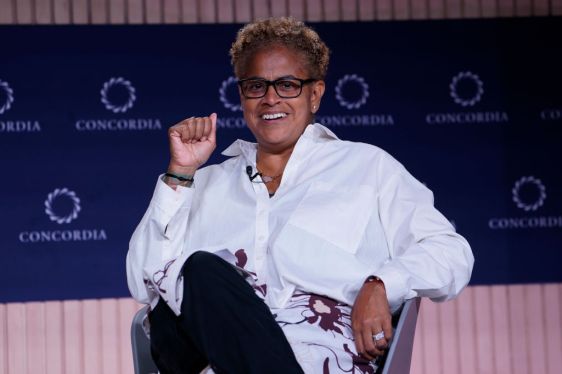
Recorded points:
(318,89)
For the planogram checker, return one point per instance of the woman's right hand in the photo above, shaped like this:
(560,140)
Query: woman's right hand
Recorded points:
(192,141)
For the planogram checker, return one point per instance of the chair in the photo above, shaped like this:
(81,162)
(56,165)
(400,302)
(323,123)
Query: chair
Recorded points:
(396,361)
(399,356)
(142,359)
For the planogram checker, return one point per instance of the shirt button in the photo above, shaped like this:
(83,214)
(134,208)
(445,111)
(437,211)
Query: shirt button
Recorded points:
(261,238)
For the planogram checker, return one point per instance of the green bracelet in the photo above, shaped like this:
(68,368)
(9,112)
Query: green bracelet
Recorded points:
(180,178)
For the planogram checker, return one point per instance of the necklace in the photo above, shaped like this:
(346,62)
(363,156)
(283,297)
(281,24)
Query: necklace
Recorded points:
(267,178)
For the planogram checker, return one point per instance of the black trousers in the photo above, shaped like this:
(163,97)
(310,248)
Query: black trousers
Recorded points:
(223,323)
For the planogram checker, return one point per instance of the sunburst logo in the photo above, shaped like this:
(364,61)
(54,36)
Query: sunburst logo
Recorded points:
(529,193)
(352,91)
(118,95)
(6,96)
(226,92)
(466,88)
(62,205)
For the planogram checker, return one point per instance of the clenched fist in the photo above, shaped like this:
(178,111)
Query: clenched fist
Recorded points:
(192,141)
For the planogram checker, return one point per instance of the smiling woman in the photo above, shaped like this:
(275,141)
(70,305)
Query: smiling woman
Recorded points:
(292,255)
(278,120)
(291,58)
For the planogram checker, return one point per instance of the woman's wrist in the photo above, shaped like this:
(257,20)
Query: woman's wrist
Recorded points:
(373,280)
(182,171)
(179,177)
(174,182)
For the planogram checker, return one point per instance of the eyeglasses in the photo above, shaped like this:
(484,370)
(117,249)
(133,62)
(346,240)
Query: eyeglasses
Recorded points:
(286,88)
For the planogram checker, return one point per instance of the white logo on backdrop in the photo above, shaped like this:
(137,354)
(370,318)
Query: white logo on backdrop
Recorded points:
(464,76)
(225,86)
(9,93)
(62,206)
(62,193)
(466,89)
(347,80)
(107,86)
(526,182)
(529,194)
(118,96)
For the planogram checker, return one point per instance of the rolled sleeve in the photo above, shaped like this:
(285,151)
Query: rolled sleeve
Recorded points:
(158,237)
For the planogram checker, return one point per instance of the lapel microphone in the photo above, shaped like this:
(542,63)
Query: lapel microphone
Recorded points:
(249,170)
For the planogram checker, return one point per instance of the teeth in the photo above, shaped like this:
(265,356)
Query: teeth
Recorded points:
(273,116)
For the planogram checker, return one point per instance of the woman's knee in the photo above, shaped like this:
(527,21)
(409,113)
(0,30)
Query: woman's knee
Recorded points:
(207,272)
(200,264)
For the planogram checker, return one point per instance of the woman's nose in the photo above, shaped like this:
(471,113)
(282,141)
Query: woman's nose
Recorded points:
(271,96)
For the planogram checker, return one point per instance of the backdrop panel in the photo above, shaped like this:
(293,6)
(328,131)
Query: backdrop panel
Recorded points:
(472,108)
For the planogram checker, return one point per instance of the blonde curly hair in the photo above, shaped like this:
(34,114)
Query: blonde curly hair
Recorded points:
(284,31)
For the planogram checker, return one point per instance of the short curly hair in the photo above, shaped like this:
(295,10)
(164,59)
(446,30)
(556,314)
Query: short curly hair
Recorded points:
(284,31)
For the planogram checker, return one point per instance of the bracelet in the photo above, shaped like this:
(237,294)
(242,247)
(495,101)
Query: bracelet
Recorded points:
(180,178)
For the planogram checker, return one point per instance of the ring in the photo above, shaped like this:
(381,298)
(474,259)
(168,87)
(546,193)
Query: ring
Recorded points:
(378,336)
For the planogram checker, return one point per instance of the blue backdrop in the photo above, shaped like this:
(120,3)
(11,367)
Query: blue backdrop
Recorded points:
(472,108)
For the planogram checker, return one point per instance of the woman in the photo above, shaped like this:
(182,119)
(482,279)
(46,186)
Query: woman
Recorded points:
(290,256)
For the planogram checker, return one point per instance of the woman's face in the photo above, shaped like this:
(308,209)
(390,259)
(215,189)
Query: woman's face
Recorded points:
(277,122)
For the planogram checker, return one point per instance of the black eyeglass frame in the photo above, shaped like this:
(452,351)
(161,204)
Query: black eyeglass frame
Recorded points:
(272,83)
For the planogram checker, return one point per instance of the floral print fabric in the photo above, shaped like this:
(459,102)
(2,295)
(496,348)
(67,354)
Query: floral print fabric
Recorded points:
(318,329)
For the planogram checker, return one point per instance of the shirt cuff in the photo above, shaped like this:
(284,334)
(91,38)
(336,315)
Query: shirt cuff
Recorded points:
(169,200)
(394,284)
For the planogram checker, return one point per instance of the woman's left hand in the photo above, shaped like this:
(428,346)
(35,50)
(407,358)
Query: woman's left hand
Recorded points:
(370,316)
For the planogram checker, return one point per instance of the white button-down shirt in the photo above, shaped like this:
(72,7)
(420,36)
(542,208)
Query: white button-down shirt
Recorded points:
(342,212)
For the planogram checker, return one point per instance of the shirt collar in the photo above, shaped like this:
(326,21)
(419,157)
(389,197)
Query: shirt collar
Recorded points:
(315,132)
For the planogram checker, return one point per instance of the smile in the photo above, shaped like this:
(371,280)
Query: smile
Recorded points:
(269,116)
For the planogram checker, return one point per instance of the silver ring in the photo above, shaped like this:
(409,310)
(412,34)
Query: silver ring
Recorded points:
(378,336)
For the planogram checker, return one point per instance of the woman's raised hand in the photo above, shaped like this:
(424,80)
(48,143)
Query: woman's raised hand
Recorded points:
(192,141)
